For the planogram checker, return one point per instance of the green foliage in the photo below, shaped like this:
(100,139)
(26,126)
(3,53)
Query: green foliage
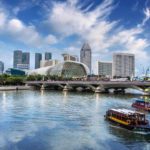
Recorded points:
(11,80)
(46,77)
(14,80)
(34,78)
(6,79)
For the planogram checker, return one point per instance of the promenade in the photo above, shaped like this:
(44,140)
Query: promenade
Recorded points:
(10,88)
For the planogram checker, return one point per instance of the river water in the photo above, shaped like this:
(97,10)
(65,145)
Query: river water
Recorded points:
(48,120)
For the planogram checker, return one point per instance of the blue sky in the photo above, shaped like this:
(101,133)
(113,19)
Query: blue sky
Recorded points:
(62,26)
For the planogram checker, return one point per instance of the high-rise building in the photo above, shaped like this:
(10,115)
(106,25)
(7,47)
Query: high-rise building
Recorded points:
(25,61)
(105,69)
(38,58)
(86,56)
(1,67)
(21,60)
(68,57)
(48,55)
(17,58)
(123,65)
(25,58)
(46,63)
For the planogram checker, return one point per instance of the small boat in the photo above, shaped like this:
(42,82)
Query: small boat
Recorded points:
(139,104)
(128,119)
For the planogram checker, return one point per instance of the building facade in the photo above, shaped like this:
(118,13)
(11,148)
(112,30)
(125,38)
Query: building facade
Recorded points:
(23,66)
(68,57)
(25,58)
(21,60)
(45,63)
(123,65)
(1,67)
(38,58)
(17,58)
(105,69)
(48,55)
(86,55)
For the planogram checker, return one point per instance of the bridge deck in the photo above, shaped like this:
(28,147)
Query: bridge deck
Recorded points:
(119,83)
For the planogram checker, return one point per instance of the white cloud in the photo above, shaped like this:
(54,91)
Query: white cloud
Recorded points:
(3,17)
(94,26)
(68,19)
(89,24)
(51,39)
(147,16)
(26,34)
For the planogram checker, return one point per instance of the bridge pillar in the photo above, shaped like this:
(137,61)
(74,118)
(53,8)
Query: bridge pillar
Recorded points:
(42,87)
(65,88)
(100,89)
(147,91)
(26,84)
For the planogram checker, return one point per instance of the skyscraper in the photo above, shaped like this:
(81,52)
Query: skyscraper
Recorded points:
(123,65)
(17,58)
(105,68)
(21,60)
(86,56)
(25,58)
(48,55)
(1,67)
(38,58)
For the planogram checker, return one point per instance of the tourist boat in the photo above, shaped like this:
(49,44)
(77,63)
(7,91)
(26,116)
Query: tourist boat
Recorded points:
(128,119)
(139,104)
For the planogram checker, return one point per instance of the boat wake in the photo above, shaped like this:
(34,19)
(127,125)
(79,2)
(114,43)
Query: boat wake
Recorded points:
(131,131)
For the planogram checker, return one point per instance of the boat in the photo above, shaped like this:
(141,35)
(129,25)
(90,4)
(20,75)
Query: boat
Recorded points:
(140,104)
(131,120)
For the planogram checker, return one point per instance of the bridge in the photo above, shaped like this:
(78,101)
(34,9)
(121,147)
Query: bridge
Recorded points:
(96,86)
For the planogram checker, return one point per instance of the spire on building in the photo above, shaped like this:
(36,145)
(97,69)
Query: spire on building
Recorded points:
(86,55)
(86,46)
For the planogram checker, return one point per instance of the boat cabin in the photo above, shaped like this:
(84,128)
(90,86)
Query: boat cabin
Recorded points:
(127,117)
(141,105)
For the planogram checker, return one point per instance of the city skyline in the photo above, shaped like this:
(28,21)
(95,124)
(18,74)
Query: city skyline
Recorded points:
(108,26)
(21,60)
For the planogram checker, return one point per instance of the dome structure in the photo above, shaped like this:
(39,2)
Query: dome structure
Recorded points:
(67,69)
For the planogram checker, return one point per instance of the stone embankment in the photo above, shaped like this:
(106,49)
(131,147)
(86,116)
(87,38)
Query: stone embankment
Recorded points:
(9,88)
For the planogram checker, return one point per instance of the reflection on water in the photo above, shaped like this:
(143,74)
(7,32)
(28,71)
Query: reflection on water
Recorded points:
(65,96)
(64,121)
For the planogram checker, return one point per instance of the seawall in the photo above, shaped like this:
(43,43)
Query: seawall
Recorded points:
(9,88)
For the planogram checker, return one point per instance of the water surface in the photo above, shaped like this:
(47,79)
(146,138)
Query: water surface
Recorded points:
(64,121)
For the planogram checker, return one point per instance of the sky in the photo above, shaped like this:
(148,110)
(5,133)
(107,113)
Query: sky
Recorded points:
(60,26)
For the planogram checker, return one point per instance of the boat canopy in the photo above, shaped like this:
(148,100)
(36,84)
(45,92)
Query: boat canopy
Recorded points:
(140,101)
(126,111)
